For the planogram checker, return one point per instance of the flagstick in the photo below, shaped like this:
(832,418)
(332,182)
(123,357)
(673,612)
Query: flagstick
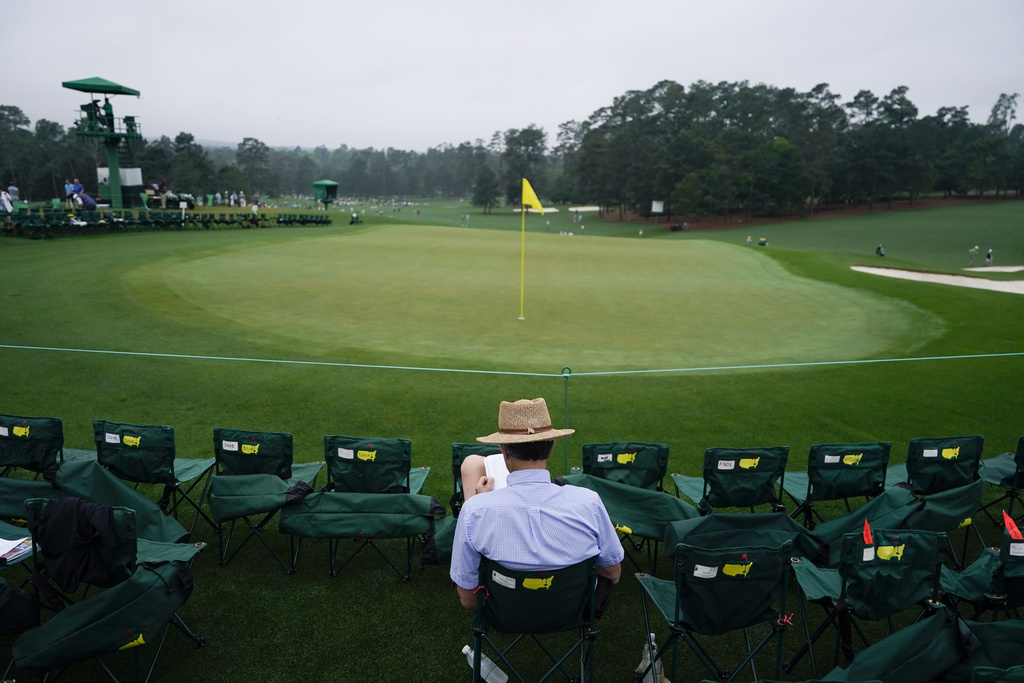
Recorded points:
(522,262)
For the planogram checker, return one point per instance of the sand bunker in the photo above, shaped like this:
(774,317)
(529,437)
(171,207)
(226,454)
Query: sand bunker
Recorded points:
(996,269)
(1009,286)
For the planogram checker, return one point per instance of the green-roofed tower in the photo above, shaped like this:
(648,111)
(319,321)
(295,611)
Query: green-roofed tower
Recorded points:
(120,137)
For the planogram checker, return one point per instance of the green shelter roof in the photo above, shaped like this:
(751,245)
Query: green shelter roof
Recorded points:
(99,85)
(325,183)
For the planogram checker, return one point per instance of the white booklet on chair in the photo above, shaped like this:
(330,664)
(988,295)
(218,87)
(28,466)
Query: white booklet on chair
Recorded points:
(11,550)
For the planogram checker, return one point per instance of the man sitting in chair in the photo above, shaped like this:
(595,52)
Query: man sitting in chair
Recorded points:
(531,523)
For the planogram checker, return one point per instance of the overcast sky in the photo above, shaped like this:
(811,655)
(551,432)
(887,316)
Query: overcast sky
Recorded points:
(411,74)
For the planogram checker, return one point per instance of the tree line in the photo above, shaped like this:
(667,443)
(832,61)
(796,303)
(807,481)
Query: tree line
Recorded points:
(716,149)
(703,150)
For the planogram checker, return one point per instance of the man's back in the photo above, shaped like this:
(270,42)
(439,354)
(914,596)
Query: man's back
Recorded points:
(532,524)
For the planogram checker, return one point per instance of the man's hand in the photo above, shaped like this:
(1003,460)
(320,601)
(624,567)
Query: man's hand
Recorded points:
(484,484)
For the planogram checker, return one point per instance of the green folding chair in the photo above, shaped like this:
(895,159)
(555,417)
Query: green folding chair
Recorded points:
(838,471)
(32,443)
(928,649)
(945,473)
(536,603)
(725,580)
(738,477)
(889,510)
(634,464)
(254,476)
(373,476)
(881,573)
(628,462)
(994,582)
(145,454)
(358,464)
(97,546)
(29,446)
(1006,471)
(459,453)
(939,464)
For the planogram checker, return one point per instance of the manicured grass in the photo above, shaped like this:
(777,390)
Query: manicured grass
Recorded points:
(402,294)
(393,294)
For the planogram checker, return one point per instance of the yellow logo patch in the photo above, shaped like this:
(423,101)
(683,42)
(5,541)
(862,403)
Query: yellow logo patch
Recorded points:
(537,584)
(21,431)
(626,458)
(135,643)
(623,529)
(737,569)
(951,453)
(888,552)
(250,449)
(749,463)
(367,455)
(852,459)
(132,441)
(967,522)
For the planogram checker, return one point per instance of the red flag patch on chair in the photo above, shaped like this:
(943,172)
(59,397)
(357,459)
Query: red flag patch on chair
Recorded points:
(1011,526)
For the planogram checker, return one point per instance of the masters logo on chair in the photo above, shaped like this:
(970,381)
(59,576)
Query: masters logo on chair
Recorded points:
(737,569)
(888,552)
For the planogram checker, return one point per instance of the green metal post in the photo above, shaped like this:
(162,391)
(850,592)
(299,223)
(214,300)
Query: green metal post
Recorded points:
(114,171)
(566,373)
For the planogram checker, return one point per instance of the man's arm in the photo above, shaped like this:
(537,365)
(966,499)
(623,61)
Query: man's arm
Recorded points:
(464,569)
(612,573)
(611,551)
(474,477)
(466,597)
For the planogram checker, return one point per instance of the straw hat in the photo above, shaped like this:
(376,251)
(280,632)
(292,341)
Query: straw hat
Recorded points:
(523,421)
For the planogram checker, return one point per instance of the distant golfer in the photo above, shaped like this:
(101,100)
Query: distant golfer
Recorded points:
(880,251)
(85,202)
(972,253)
(988,258)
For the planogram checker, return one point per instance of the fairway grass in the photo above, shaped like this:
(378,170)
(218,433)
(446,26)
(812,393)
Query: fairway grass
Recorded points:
(450,297)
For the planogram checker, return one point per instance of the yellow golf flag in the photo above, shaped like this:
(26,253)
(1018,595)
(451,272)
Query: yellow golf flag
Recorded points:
(530,198)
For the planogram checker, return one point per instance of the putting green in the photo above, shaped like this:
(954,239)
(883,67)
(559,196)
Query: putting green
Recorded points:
(450,297)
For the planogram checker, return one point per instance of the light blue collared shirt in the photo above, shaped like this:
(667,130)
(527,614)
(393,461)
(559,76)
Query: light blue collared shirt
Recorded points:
(532,524)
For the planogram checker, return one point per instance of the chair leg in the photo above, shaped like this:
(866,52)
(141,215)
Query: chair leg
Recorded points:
(334,544)
(181,492)
(1012,495)
(753,665)
(671,641)
(254,530)
(704,659)
(222,544)
(808,646)
(295,548)
(477,651)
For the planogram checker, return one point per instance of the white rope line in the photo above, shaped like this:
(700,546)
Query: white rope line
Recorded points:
(566,372)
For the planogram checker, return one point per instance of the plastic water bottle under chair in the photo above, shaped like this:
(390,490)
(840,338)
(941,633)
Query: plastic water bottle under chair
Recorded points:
(655,674)
(489,671)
